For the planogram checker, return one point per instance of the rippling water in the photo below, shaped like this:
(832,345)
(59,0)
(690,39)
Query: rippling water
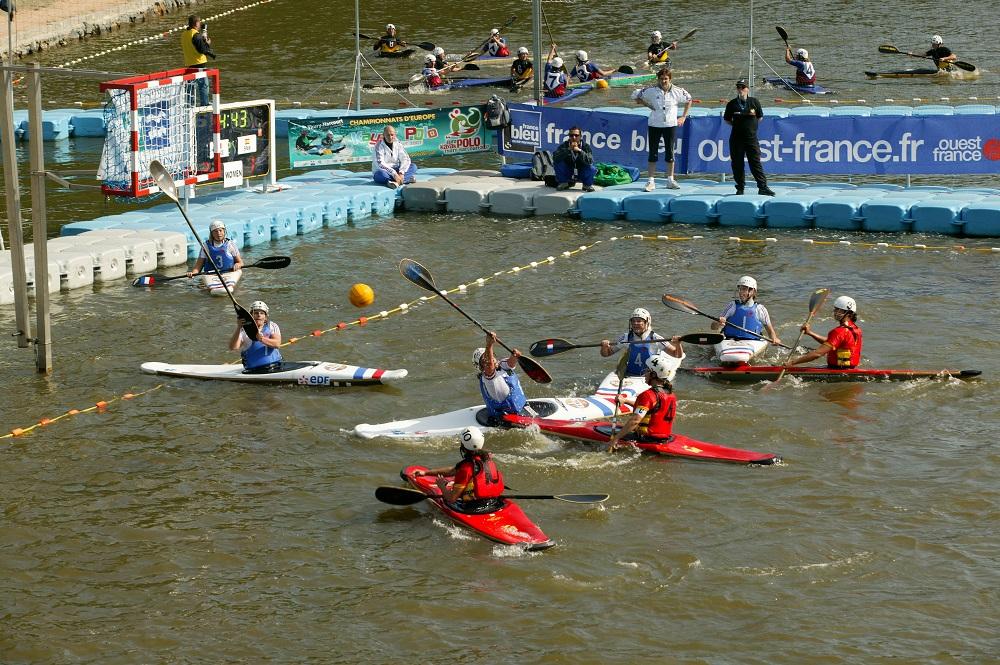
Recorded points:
(224,522)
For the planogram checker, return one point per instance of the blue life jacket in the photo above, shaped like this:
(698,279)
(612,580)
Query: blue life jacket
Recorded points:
(638,354)
(258,354)
(745,316)
(515,400)
(221,255)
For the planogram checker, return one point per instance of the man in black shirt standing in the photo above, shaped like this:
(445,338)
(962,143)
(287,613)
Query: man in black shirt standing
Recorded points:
(743,113)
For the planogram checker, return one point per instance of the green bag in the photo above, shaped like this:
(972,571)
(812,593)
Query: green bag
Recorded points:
(609,174)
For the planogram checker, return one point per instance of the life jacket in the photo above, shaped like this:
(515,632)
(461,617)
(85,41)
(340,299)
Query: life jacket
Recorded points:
(745,316)
(387,44)
(221,255)
(431,77)
(498,49)
(487,481)
(260,355)
(806,75)
(585,72)
(555,82)
(521,70)
(659,420)
(848,356)
(515,400)
(638,354)
(661,52)
(191,56)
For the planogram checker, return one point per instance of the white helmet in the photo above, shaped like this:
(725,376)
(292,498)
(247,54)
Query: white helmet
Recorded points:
(846,303)
(523,50)
(557,62)
(656,35)
(429,57)
(662,366)
(581,56)
(801,53)
(389,26)
(747,281)
(477,355)
(936,40)
(216,224)
(641,313)
(438,50)
(494,31)
(472,439)
(259,306)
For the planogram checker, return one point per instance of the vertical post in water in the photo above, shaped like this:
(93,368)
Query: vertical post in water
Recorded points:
(12,189)
(357,56)
(536,29)
(750,77)
(39,223)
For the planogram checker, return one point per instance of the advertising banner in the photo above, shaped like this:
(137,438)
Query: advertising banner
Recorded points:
(350,139)
(615,138)
(835,145)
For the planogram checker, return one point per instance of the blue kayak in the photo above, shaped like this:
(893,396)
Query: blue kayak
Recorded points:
(780,82)
(499,82)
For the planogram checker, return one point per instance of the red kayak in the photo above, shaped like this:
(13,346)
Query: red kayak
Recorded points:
(508,525)
(677,446)
(753,373)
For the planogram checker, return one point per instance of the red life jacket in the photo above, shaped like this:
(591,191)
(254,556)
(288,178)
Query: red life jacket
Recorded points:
(487,481)
(659,420)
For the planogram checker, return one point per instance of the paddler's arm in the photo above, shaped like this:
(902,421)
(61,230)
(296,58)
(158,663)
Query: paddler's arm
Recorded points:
(237,258)
(819,338)
(674,347)
(812,355)
(197,266)
(442,471)
(234,341)
(273,341)
(630,424)
(607,350)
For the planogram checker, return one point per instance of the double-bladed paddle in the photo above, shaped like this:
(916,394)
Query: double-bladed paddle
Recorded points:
(478,51)
(422,277)
(554,345)
(268,263)
(686,37)
(815,302)
(405,496)
(673,302)
(166,184)
(427,46)
(889,48)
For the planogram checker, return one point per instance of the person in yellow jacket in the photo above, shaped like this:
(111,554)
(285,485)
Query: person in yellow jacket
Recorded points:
(197,49)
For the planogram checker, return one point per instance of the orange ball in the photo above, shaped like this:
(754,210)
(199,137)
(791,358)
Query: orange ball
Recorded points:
(361,295)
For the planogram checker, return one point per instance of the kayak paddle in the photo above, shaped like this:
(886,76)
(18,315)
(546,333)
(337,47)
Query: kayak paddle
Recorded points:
(427,46)
(554,345)
(673,302)
(405,496)
(888,48)
(268,263)
(478,51)
(422,277)
(783,35)
(815,302)
(166,184)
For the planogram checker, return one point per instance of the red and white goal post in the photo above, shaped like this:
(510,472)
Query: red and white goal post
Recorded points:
(150,117)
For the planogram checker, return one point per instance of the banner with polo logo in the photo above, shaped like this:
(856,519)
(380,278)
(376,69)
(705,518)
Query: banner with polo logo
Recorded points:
(349,139)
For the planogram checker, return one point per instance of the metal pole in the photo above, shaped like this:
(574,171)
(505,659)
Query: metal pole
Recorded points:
(36,163)
(13,191)
(536,28)
(750,82)
(357,56)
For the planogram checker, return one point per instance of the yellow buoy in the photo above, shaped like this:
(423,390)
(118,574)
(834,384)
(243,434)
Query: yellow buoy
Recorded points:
(361,295)
(601,83)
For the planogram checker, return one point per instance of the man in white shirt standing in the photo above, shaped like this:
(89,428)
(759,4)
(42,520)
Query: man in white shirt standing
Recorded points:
(663,100)
(391,166)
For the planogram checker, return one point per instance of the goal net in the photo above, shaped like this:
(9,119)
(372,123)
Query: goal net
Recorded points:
(150,117)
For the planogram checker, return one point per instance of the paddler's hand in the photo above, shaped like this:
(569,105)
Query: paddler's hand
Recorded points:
(806,329)
(777,340)
(722,320)
(441,483)
(190,273)
(418,473)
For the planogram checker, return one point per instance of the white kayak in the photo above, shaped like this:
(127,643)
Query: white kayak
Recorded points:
(307,373)
(453,422)
(739,351)
(212,282)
